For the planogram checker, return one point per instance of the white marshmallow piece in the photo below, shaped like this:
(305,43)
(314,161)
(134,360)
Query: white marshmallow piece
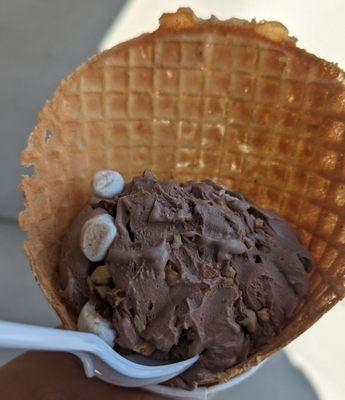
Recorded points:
(90,321)
(96,236)
(107,183)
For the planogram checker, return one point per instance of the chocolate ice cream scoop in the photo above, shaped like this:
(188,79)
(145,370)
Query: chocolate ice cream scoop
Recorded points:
(193,268)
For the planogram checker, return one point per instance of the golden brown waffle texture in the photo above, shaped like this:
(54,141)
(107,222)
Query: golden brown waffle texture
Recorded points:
(235,101)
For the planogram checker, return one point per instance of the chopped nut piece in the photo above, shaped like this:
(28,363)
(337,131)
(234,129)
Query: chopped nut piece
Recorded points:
(209,271)
(229,271)
(171,276)
(249,243)
(222,203)
(102,290)
(227,281)
(205,288)
(259,223)
(170,237)
(144,348)
(115,296)
(139,325)
(250,322)
(264,314)
(101,275)
(177,240)
(90,285)
(104,310)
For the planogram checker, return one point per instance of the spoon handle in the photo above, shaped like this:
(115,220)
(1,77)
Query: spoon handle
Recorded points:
(22,336)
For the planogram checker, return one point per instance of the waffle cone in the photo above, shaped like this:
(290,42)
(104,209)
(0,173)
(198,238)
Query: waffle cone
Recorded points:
(235,101)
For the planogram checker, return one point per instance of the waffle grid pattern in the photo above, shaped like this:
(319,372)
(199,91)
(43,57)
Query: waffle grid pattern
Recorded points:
(262,118)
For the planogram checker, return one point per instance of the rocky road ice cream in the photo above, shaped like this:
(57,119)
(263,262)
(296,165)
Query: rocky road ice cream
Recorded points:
(172,270)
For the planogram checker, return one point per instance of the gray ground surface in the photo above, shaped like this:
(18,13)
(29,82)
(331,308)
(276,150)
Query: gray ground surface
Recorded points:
(40,42)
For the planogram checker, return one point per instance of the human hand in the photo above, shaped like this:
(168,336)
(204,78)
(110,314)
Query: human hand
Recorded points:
(58,376)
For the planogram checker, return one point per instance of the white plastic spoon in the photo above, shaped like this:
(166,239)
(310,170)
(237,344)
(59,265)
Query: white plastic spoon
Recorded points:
(98,359)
